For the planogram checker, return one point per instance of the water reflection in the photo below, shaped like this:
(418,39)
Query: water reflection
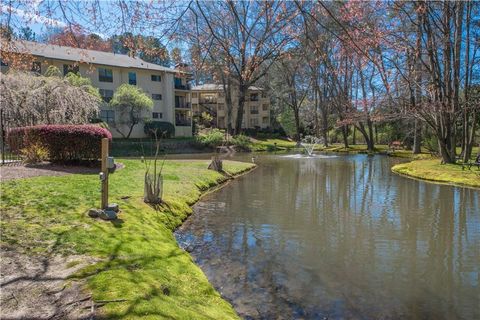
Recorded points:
(339,238)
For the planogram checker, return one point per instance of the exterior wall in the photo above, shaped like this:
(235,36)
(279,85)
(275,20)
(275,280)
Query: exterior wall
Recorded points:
(165,106)
(256,113)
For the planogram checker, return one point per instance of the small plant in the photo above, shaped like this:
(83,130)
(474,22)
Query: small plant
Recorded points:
(153,188)
(212,139)
(34,153)
(242,142)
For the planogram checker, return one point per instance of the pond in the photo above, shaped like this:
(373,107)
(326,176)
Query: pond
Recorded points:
(339,237)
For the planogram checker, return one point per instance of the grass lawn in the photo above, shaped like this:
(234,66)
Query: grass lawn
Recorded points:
(433,170)
(269,144)
(140,258)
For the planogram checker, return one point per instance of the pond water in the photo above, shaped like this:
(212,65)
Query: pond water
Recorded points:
(339,238)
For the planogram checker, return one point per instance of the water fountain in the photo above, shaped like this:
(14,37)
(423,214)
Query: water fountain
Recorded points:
(309,143)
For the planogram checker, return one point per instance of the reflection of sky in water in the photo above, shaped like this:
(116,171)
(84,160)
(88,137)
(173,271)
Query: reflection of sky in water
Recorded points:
(340,237)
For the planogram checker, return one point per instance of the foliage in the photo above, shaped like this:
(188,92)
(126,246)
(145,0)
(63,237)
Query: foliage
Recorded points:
(241,142)
(287,121)
(62,142)
(82,82)
(34,153)
(29,100)
(137,257)
(163,129)
(131,103)
(212,139)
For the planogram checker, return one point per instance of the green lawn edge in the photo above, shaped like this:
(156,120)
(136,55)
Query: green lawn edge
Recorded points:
(433,171)
(140,260)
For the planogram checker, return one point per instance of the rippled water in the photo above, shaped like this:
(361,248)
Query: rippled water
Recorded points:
(339,238)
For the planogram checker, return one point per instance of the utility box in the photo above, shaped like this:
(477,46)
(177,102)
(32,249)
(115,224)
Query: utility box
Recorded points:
(111,166)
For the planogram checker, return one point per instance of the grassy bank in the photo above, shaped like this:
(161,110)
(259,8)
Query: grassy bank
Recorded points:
(433,170)
(140,261)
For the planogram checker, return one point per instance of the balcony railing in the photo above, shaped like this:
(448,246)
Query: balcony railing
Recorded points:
(183,105)
(183,122)
(182,86)
(254,98)
(208,101)
(253,111)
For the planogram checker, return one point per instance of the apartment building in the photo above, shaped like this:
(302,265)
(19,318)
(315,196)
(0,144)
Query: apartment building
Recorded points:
(168,88)
(211,98)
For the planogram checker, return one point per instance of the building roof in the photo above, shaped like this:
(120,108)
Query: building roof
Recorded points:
(217,87)
(87,56)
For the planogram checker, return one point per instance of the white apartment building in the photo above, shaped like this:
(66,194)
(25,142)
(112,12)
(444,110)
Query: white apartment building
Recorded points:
(210,98)
(168,87)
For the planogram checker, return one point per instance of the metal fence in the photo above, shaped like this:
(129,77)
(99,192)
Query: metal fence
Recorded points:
(8,154)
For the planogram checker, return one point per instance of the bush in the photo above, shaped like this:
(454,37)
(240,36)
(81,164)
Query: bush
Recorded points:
(34,153)
(62,142)
(212,139)
(164,129)
(241,142)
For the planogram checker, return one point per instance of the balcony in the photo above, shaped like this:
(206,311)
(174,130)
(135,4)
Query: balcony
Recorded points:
(183,105)
(179,86)
(208,101)
(183,122)
(253,111)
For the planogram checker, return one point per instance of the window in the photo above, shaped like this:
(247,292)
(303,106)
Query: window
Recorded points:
(194,95)
(156,77)
(265,107)
(254,97)
(105,75)
(107,115)
(265,120)
(254,122)
(156,96)
(264,94)
(132,78)
(220,106)
(253,109)
(67,68)
(3,63)
(37,67)
(106,95)
(157,115)
(221,122)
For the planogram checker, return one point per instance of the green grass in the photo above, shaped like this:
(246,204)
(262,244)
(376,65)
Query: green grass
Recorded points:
(269,144)
(433,170)
(140,258)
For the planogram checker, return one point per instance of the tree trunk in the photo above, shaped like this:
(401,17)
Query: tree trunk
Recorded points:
(296,114)
(345,136)
(242,91)
(417,138)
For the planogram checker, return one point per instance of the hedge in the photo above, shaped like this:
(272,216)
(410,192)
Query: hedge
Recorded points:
(164,129)
(63,142)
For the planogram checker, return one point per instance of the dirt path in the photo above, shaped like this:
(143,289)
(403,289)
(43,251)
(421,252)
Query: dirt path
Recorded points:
(37,287)
(19,171)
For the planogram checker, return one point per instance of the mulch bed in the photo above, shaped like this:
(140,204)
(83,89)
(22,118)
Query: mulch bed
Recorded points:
(17,170)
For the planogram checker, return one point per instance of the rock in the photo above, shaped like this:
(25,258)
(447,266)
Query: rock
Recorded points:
(108,215)
(94,213)
(113,207)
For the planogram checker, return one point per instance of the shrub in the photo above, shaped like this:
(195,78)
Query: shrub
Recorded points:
(62,142)
(164,129)
(212,139)
(241,142)
(34,153)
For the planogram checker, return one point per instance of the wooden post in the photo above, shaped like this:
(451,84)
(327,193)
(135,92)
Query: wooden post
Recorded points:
(105,173)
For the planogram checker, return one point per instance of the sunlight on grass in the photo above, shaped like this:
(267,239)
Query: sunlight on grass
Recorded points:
(433,170)
(140,259)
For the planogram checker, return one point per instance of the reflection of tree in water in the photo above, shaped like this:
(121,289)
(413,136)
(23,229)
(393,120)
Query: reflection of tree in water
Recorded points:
(341,238)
